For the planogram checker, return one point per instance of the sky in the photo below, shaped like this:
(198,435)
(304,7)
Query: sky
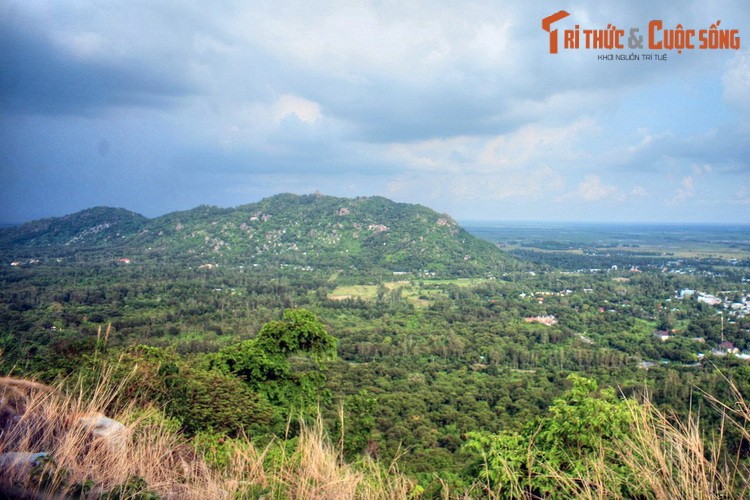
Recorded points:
(459,106)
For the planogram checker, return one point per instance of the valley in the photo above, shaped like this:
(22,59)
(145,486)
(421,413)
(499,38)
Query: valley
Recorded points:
(439,335)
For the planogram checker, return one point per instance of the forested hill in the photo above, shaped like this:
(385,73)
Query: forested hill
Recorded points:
(91,227)
(308,231)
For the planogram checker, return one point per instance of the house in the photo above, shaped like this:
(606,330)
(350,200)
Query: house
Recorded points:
(124,260)
(548,320)
(709,299)
(662,334)
(728,347)
(725,348)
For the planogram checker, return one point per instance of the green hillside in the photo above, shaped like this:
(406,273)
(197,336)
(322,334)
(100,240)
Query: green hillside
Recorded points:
(91,227)
(307,232)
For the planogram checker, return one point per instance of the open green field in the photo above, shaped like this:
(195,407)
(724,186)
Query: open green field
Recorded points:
(419,292)
(364,292)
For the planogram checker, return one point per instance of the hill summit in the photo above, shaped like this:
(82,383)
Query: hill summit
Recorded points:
(90,227)
(308,231)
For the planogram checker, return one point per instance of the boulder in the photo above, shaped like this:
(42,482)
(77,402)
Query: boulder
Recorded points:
(21,458)
(105,430)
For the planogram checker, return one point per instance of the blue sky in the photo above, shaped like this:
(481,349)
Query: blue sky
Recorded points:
(163,106)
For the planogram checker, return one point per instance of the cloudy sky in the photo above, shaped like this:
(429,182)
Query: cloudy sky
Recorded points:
(163,105)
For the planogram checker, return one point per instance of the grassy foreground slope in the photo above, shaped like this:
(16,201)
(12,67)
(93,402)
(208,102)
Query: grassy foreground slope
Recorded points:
(149,458)
(637,451)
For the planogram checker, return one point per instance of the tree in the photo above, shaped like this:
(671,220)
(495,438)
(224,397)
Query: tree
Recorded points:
(299,332)
(209,400)
(286,360)
(577,431)
(356,423)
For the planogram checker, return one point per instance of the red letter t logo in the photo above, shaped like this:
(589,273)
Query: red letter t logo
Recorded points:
(547,23)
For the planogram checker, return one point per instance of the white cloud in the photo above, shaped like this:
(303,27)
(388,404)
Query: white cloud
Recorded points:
(533,143)
(207,45)
(685,191)
(527,148)
(524,186)
(82,44)
(491,42)
(257,124)
(742,197)
(305,110)
(706,168)
(735,80)
(412,43)
(648,141)
(592,189)
(736,94)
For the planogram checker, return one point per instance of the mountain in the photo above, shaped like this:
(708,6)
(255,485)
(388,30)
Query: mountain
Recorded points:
(90,227)
(308,231)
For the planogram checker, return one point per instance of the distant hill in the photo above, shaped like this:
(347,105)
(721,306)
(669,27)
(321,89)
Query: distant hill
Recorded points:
(308,231)
(90,227)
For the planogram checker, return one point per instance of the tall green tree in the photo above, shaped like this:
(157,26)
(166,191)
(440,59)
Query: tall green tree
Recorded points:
(577,431)
(286,361)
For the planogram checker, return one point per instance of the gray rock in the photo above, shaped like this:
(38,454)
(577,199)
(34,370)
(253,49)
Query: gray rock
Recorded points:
(21,458)
(109,431)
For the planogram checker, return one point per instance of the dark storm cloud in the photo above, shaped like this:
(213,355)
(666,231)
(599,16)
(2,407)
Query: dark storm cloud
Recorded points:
(157,105)
(319,159)
(39,77)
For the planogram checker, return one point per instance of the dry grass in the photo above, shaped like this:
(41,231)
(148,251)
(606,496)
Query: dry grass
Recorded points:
(670,458)
(314,469)
(39,418)
(48,419)
(661,457)
(666,458)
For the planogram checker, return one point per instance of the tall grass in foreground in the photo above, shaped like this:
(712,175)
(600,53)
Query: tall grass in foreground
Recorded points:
(666,459)
(661,457)
(151,457)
